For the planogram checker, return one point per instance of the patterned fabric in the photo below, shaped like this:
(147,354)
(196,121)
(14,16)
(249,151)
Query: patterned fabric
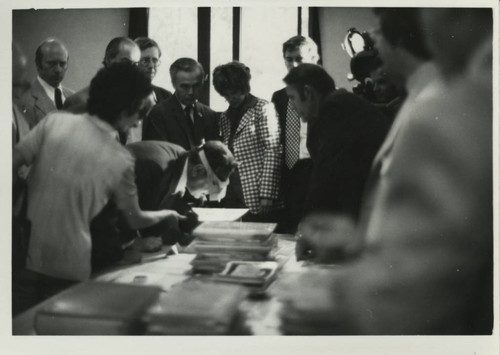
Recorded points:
(292,136)
(258,149)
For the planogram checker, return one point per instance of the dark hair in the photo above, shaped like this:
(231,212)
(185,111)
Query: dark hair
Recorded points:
(219,157)
(120,86)
(146,42)
(402,27)
(233,76)
(312,75)
(113,48)
(186,64)
(296,42)
(38,52)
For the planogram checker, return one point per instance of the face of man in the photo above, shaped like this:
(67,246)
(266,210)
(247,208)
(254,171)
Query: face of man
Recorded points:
(298,56)
(128,53)
(303,103)
(383,89)
(150,61)
(187,86)
(127,121)
(54,63)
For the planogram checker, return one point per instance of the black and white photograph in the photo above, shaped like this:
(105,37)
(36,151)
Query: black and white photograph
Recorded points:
(251,177)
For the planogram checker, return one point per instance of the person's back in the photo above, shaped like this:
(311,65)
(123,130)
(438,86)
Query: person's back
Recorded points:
(79,164)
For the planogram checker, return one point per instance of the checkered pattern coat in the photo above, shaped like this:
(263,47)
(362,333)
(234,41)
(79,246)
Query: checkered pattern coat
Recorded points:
(257,148)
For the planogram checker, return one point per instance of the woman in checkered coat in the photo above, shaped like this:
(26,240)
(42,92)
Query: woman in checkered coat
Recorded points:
(250,129)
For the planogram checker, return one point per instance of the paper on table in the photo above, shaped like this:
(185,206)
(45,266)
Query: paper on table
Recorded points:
(219,214)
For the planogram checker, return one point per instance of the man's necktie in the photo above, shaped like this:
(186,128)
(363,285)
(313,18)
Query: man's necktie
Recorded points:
(187,112)
(58,99)
(292,136)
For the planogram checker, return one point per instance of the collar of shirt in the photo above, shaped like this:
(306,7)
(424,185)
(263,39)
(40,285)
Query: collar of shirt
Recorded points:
(103,125)
(182,184)
(50,90)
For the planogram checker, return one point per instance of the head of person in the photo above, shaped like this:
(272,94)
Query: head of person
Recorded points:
(298,50)
(232,81)
(209,168)
(51,59)
(187,77)
(150,55)
(121,49)
(19,62)
(454,34)
(400,41)
(118,95)
(306,86)
(383,88)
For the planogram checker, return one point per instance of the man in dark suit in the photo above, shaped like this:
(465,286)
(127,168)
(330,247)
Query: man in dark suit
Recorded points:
(181,119)
(46,93)
(149,63)
(297,162)
(345,133)
(165,171)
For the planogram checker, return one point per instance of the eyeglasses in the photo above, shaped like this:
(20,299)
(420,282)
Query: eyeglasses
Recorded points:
(147,60)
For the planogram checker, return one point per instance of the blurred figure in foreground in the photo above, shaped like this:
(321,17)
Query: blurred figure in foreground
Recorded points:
(427,265)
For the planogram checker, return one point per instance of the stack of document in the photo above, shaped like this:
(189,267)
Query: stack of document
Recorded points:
(198,308)
(254,274)
(217,243)
(308,306)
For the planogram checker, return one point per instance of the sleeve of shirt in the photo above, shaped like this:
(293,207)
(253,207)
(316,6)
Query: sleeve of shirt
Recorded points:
(126,188)
(31,144)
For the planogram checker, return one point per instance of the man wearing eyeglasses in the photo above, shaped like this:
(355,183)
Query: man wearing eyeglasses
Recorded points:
(46,93)
(119,49)
(149,63)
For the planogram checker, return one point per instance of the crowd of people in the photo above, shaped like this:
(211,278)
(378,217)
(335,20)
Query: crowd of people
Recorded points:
(401,197)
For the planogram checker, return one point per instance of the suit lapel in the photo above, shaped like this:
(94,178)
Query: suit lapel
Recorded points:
(179,115)
(42,101)
(244,120)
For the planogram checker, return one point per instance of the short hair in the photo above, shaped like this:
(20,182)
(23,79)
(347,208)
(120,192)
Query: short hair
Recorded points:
(39,53)
(113,48)
(117,87)
(233,76)
(402,27)
(219,157)
(187,65)
(312,75)
(296,42)
(146,42)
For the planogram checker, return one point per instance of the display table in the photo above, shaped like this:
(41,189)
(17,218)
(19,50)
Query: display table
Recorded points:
(261,313)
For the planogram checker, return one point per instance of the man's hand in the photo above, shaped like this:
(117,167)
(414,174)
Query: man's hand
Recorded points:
(326,238)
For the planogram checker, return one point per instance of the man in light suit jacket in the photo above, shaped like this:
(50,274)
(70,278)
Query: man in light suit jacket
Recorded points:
(46,93)
(181,119)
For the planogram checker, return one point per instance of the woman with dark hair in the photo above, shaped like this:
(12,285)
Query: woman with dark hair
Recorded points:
(250,129)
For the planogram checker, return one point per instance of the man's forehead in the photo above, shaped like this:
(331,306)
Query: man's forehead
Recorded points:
(54,50)
(193,76)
